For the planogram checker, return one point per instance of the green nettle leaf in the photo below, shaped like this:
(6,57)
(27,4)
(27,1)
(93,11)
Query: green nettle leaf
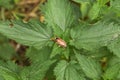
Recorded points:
(32,34)
(41,63)
(98,53)
(66,52)
(9,71)
(59,70)
(115,4)
(67,71)
(115,46)
(59,12)
(113,69)
(95,36)
(57,31)
(102,2)
(3,39)
(36,71)
(6,51)
(112,72)
(90,67)
(94,11)
(72,73)
(114,60)
(57,50)
(40,55)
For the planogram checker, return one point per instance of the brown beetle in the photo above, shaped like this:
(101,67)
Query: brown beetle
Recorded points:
(60,42)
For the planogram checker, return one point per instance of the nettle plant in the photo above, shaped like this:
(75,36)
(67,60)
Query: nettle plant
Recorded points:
(79,40)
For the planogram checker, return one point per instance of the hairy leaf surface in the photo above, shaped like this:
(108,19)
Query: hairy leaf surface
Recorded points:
(36,71)
(59,12)
(9,71)
(40,55)
(89,66)
(94,36)
(67,71)
(115,47)
(32,34)
(112,72)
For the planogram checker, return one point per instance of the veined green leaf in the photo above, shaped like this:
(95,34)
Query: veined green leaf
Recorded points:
(40,63)
(59,51)
(112,72)
(9,71)
(58,12)
(115,4)
(66,52)
(72,73)
(89,66)
(113,69)
(3,39)
(95,36)
(36,71)
(114,46)
(6,50)
(67,71)
(114,60)
(40,55)
(32,34)
(56,50)
(59,70)
(102,2)
(98,7)
(94,11)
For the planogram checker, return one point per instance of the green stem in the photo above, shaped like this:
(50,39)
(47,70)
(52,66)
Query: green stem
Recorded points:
(3,14)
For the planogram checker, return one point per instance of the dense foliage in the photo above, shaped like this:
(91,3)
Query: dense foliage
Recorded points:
(91,30)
